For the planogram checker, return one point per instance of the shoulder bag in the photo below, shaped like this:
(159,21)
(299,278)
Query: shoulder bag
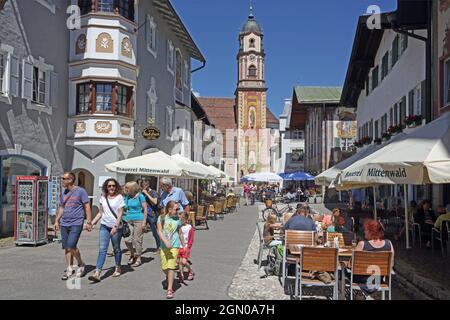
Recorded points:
(126,232)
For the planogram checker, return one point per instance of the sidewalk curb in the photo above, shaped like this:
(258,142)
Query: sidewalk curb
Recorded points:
(419,286)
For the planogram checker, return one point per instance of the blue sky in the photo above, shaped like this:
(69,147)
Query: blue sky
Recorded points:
(307,42)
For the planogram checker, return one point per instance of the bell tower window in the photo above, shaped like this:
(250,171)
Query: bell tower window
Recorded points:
(252,71)
(252,43)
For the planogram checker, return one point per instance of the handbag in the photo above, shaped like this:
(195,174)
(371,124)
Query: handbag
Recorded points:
(126,232)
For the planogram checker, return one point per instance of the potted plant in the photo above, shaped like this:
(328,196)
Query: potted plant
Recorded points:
(377,141)
(413,121)
(393,130)
(385,136)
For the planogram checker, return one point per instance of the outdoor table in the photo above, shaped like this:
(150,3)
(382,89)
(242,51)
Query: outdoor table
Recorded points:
(344,254)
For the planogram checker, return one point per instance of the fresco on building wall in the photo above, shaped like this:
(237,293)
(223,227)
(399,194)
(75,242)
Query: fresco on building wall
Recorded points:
(346,129)
(33,137)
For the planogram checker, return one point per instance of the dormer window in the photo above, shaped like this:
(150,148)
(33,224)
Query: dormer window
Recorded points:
(252,71)
(252,43)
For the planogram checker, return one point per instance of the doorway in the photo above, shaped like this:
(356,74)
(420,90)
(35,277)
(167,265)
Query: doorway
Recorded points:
(11,167)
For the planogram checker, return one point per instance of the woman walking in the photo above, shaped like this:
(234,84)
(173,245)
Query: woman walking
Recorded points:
(136,217)
(169,230)
(111,210)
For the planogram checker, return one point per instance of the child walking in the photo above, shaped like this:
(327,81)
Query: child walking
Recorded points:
(185,253)
(169,231)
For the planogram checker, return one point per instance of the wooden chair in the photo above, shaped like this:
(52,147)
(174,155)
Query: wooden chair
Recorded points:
(368,263)
(332,235)
(229,205)
(318,260)
(211,211)
(442,236)
(294,237)
(201,217)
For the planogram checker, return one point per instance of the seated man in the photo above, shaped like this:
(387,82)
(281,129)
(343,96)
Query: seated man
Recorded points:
(442,218)
(300,221)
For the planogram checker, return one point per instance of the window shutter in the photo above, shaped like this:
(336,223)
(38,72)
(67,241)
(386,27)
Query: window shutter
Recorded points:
(423,95)
(47,88)
(27,81)
(53,89)
(14,76)
(403,111)
(147,32)
(411,103)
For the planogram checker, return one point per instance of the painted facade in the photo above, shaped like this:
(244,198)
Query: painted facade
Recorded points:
(85,101)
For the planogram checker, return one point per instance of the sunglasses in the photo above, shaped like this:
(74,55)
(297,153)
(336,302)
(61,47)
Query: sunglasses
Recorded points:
(65,179)
(112,186)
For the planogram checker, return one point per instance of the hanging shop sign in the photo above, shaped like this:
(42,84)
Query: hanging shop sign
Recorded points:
(151,133)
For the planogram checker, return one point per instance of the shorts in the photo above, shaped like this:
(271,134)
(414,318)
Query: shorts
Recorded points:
(70,236)
(184,254)
(169,259)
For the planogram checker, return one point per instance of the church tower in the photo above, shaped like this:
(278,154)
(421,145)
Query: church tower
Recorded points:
(251,97)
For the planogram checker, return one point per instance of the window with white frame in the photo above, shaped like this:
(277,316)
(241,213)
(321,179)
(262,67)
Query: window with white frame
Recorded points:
(151,35)
(297,135)
(9,74)
(170,56)
(447,82)
(169,122)
(39,85)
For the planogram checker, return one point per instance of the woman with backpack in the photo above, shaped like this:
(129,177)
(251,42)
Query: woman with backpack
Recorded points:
(111,210)
(136,217)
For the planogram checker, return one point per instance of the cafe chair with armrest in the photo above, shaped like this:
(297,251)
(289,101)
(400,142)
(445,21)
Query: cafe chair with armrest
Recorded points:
(440,235)
(318,260)
(294,237)
(368,263)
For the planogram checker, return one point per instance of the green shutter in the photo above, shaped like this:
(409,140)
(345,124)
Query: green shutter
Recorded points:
(423,95)
(411,103)
(403,111)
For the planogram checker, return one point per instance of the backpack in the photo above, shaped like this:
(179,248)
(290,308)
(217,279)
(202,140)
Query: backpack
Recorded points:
(275,261)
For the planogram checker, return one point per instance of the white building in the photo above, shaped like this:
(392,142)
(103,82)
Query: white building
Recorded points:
(386,83)
(292,142)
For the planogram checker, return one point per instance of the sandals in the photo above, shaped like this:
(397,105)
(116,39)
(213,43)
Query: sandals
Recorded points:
(67,274)
(117,273)
(169,294)
(131,261)
(138,263)
(80,271)
(95,278)
(191,276)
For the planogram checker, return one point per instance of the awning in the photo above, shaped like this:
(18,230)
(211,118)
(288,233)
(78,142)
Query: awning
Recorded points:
(152,164)
(421,157)
(297,176)
(218,172)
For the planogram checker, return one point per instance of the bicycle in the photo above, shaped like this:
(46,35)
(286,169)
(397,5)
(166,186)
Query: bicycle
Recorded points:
(274,209)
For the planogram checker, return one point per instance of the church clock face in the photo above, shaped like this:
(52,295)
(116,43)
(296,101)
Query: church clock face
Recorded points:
(252,58)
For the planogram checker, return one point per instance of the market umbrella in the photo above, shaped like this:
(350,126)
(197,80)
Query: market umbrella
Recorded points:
(152,164)
(193,169)
(299,176)
(262,177)
(421,157)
